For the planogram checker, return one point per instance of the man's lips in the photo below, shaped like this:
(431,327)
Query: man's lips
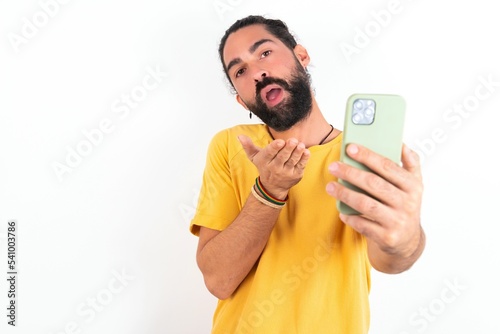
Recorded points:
(272,94)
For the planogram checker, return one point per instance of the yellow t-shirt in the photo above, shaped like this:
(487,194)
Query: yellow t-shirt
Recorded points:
(313,276)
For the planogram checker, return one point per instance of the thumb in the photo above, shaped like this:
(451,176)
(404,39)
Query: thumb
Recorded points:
(250,149)
(410,160)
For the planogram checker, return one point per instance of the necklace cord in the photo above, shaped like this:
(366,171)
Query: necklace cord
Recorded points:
(328,135)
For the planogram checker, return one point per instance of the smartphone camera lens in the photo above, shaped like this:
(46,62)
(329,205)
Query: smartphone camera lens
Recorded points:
(358,105)
(357,118)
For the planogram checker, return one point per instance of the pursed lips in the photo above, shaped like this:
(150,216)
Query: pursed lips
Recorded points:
(272,94)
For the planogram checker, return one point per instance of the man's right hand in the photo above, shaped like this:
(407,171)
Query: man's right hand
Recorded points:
(280,164)
(226,257)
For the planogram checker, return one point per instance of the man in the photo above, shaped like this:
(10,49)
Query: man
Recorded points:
(272,245)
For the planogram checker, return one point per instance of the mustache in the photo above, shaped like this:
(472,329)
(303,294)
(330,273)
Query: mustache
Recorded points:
(259,86)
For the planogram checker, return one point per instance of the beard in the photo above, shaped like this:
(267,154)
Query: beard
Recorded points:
(292,109)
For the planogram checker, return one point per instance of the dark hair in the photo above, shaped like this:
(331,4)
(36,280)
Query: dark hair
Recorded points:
(277,28)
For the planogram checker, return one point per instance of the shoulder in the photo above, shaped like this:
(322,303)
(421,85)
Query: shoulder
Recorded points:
(256,132)
(226,141)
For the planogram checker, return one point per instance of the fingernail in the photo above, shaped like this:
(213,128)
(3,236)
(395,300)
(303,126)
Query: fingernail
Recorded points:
(330,187)
(352,149)
(333,167)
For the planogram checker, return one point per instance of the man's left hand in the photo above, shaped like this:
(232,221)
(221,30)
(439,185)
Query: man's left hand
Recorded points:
(391,219)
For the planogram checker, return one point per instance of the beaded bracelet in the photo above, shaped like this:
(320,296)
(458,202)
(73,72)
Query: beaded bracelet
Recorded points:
(268,196)
(264,201)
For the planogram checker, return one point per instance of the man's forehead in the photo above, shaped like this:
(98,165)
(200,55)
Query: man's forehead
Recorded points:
(241,40)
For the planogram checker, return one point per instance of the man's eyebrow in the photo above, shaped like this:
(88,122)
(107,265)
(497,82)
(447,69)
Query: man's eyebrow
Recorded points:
(252,49)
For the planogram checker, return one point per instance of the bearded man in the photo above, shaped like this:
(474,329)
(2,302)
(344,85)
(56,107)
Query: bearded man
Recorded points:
(272,246)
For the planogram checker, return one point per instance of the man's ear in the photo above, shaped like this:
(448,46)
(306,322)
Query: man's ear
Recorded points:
(302,55)
(240,101)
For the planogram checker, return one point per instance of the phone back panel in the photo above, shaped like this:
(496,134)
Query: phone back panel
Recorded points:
(384,135)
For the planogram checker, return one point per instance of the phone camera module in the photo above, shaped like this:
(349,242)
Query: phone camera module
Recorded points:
(363,112)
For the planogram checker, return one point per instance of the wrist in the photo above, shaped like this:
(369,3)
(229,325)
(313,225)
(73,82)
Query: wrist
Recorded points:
(266,200)
(420,244)
(270,192)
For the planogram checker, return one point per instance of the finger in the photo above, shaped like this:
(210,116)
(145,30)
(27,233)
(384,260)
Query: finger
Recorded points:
(370,229)
(386,168)
(251,150)
(362,203)
(373,184)
(411,162)
(301,164)
(295,156)
(273,149)
(285,153)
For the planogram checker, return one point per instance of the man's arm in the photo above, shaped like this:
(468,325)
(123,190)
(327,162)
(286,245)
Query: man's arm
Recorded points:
(390,262)
(391,220)
(226,257)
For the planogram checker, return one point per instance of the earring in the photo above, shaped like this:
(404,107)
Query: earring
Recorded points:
(250,115)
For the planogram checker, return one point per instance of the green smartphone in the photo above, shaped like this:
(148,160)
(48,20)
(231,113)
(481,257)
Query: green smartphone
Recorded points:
(375,121)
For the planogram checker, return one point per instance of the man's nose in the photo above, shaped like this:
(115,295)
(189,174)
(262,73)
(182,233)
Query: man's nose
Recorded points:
(260,75)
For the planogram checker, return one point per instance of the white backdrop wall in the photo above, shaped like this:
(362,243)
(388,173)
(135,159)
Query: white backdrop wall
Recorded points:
(106,111)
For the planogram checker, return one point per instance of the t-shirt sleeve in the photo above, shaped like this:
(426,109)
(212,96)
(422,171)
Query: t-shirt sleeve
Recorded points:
(217,204)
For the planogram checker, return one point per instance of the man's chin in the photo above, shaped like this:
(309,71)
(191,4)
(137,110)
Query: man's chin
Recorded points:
(280,126)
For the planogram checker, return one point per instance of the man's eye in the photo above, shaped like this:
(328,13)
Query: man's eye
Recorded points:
(266,53)
(240,72)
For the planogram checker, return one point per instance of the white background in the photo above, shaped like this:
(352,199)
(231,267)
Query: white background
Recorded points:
(124,209)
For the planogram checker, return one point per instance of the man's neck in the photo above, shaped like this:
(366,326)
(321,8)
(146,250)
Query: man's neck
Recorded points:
(311,130)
